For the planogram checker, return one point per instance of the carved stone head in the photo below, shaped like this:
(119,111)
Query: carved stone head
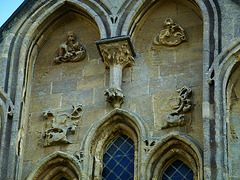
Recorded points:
(71,37)
(168,22)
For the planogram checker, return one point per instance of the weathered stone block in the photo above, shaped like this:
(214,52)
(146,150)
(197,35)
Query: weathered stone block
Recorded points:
(190,79)
(90,82)
(83,97)
(41,88)
(64,86)
(40,103)
(93,68)
(163,84)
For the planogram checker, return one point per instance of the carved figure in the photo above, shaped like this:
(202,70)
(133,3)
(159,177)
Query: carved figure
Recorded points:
(70,51)
(61,123)
(175,118)
(172,35)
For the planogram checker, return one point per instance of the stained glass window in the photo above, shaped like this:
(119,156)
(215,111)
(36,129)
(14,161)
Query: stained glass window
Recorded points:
(178,170)
(118,160)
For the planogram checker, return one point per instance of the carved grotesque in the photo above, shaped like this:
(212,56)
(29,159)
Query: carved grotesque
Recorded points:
(176,117)
(61,122)
(70,51)
(172,34)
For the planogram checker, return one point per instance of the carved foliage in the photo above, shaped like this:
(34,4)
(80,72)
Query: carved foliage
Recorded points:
(117,53)
(177,117)
(59,124)
(172,34)
(114,97)
(70,51)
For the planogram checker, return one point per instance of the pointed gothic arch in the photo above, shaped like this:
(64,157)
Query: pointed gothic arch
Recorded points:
(55,166)
(171,148)
(104,131)
(226,69)
(22,47)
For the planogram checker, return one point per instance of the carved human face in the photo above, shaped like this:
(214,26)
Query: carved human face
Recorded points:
(168,22)
(71,36)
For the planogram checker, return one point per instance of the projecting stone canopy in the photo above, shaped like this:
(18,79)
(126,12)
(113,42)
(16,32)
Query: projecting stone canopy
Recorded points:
(117,53)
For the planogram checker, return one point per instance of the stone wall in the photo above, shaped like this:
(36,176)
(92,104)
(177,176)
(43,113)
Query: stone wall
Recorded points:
(173,62)
(150,86)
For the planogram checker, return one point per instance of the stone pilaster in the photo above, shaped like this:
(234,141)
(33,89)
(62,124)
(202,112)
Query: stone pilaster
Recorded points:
(116,53)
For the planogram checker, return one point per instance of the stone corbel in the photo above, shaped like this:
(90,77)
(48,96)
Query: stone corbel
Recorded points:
(116,54)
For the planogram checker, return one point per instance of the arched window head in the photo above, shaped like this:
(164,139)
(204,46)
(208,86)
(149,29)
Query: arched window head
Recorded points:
(178,170)
(175,157)
(118,159)
(57,166)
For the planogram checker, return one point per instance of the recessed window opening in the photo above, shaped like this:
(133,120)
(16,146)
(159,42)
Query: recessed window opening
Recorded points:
(63,178)
(118,160)
(178,170)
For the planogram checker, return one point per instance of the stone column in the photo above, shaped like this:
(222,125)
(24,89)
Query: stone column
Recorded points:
(116,54)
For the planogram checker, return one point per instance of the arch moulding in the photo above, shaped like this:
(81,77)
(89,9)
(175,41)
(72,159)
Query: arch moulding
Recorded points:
(55,164)
(104,131)
(169,149)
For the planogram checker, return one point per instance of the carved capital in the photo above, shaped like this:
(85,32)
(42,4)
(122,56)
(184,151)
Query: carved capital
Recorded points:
(177,117)
(116,51)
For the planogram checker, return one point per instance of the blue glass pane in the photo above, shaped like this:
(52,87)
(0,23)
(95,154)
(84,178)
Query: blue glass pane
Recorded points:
(169,172)
(106,171)
(184,169)
(125,161)
(106,158)
(118,170)
(112,176)
(176,176)
(190,176)
(111,164)
(118,155)
(125,147)
(178,170)
(118,160)
(119,142)
(125,175)
(112,150)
